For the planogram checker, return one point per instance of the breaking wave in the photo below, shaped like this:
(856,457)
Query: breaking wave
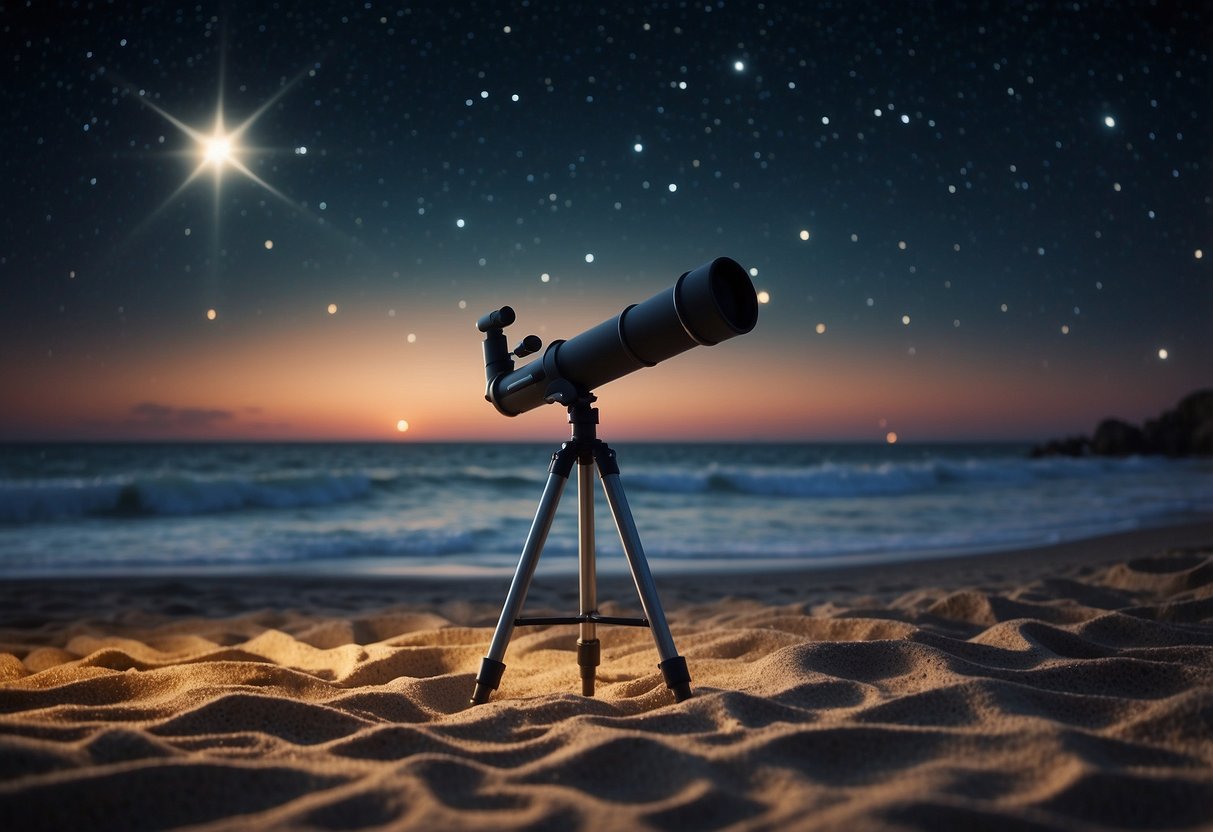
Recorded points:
(174,496)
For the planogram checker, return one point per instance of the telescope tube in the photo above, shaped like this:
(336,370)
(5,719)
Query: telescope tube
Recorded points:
(707,305)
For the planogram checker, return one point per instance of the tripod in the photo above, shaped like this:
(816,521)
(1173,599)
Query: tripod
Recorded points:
(585,450)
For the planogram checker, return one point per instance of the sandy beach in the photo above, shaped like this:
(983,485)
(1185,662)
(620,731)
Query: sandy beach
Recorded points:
(1068,687)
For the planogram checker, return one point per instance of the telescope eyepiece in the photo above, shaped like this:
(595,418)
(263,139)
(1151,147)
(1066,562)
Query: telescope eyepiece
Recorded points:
(528,346)
(496,319)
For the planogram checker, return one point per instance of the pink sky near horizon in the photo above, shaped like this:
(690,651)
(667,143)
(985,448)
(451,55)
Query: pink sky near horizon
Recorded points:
(350,377)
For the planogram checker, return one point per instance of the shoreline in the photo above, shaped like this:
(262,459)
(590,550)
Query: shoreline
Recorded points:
(1016,563)
(1188,531)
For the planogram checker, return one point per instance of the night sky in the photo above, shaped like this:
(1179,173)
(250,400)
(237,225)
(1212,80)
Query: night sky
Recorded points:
(282,221)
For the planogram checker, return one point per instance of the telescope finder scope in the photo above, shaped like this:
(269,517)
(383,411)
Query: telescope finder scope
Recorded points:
(705,306)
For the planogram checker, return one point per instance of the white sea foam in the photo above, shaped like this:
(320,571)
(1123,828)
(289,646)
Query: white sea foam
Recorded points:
(148,508)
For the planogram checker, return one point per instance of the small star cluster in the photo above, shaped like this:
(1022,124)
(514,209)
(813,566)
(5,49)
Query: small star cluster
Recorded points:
(957,189)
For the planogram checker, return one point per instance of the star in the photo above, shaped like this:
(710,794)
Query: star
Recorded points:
(218,150)
(221,150)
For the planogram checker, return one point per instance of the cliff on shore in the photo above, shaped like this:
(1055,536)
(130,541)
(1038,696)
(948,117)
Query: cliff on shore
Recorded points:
(1184,430)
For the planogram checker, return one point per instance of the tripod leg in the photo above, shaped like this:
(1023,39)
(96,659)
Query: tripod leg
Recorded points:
(673,666)
(492,666)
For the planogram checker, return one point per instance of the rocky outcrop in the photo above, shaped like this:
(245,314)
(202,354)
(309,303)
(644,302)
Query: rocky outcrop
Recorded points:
(1116,438)
(1185,430)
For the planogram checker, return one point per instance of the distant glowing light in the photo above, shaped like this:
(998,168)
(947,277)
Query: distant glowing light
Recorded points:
(545,278)
(821,329)
(891,437)
(905,119)
(412,338)
(1003,307)
(269,244)
(739,66)
(1163,355)
(638,147)
(754,271)
(764,297)
(905,320)
(804,234)
(902,245)
(589,258)
(332,307)
(673,187)
(825,120)
(1198,254)
(514,97)
(463,304)
(460,223)
(1065,329)
(402,425)
(1108,121)
(301,151)
(211,314)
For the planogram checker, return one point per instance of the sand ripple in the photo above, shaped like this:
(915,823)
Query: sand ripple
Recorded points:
(1077,701)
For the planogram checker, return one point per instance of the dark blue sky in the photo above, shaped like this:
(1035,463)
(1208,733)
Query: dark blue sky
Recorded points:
(1008,214)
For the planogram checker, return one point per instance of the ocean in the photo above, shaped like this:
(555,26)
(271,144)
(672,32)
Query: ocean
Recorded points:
(464,509)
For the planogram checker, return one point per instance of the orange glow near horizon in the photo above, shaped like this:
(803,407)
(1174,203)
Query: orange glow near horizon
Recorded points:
(417,376)
(355,382)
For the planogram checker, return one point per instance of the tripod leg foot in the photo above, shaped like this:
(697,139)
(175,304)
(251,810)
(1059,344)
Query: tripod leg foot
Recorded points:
(589,656)
(487,680)
(677,677)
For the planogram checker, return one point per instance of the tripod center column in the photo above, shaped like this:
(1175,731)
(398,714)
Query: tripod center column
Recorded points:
(583,417)
(585,547)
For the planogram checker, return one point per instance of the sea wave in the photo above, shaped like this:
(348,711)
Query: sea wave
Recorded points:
(174,495)
(831,479)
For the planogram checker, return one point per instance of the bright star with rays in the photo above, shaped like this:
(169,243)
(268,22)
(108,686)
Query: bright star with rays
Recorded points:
(222,150)
(218,150)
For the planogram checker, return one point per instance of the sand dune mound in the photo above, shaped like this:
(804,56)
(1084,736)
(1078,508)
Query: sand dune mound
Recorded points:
(1076,701)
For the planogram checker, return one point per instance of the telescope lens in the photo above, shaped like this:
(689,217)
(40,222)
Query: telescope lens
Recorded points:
(716,301)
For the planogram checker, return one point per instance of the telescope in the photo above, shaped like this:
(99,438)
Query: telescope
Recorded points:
(707,305)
